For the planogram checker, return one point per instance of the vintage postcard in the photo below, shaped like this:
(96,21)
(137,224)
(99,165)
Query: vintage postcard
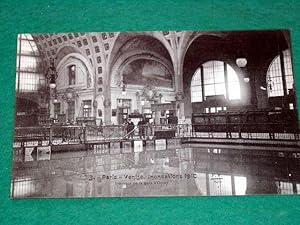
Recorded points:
(162,113)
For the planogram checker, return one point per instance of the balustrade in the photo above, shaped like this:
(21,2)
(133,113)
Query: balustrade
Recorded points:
(57,135)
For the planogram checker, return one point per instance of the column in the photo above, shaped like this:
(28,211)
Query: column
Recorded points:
(107,111)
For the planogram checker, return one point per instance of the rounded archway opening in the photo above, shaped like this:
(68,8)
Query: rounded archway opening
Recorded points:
(141,73)
(211,77)
(215,78)
(134,46)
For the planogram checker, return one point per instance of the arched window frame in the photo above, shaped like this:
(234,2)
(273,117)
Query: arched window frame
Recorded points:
(221,79)
(280,75)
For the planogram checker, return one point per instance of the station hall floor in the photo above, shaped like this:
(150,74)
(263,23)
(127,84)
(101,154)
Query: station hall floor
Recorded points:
(182,170)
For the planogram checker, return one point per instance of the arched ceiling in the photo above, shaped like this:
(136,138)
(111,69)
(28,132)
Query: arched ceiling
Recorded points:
(90,45)
(231,45)
(185,49)
(99,47)
(151,42)
(49,43)
(102,44)
(144,43)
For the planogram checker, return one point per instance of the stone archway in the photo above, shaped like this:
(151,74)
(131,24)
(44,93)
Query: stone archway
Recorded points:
(130,46)
(67,59)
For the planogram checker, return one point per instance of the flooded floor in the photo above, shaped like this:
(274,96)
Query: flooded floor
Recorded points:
(175,171)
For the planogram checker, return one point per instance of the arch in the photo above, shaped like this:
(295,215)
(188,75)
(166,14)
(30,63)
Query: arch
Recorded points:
(279,77)
(123,38)
(119,47)
(213,78)
(64,62)
(201,50)
(188,38)
(132,56)
(67,49)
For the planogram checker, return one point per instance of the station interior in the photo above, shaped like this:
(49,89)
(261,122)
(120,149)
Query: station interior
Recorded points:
(159,113)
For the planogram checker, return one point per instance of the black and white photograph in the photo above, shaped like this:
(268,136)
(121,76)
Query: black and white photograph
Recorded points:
(155,113)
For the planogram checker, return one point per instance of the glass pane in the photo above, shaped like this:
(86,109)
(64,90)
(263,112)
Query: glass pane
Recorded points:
(30,82)
(274,79)
(287,62)
(28,65)
(219,72)
(209,90)
(289,82)
(220,89)
(214,81)
(196,89)
(288,69)
(231,75)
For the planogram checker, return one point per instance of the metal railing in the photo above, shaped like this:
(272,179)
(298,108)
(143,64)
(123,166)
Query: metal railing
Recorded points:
(104,133)
(55,135)
(31,134)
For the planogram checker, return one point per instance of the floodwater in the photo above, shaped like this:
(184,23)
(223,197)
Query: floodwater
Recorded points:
(180,170)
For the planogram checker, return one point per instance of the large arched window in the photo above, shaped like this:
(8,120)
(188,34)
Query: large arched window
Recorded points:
(280,75)
(29,73)
(215,78)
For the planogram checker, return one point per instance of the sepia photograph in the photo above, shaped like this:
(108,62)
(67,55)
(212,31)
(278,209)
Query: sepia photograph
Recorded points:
(155,113)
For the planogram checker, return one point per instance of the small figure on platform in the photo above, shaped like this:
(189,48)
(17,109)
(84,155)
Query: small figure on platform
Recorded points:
(130,128)
(141,124)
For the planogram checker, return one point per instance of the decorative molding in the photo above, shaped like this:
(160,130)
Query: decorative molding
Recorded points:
(70,59)
(70,94)
(149,93)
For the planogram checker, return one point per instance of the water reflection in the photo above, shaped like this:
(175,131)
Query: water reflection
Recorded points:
(177,171)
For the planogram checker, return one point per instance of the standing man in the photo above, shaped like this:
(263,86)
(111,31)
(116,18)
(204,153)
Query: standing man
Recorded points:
(141,125)
(130,128)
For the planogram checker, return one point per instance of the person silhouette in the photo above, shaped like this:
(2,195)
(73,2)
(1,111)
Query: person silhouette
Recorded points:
(130,128)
